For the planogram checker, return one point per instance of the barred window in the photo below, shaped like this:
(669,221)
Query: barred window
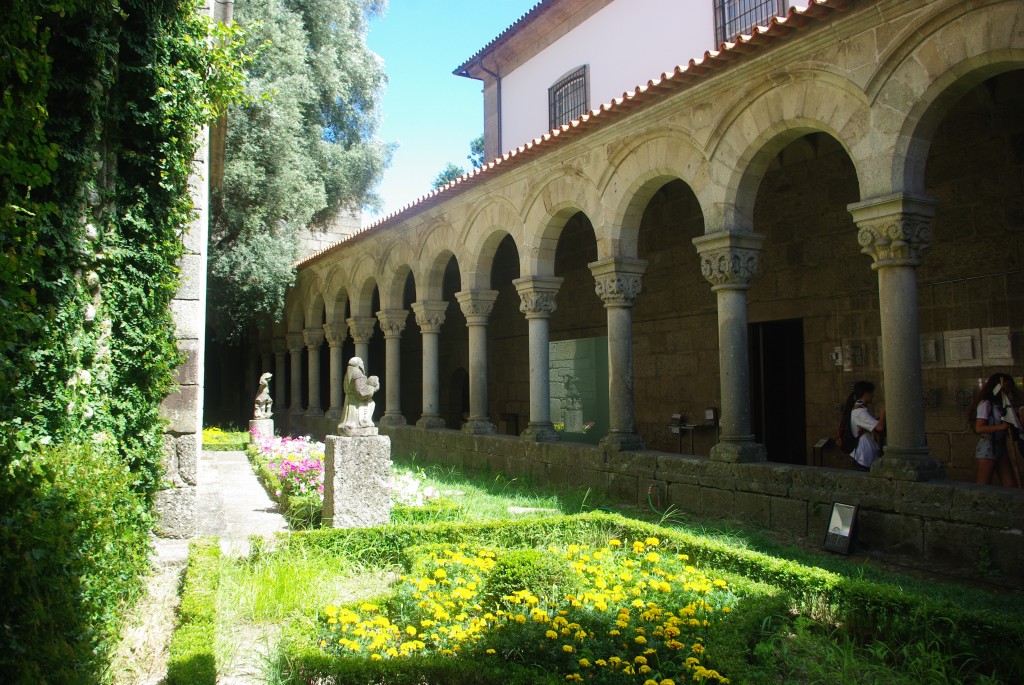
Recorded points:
(733,17)
(568,99)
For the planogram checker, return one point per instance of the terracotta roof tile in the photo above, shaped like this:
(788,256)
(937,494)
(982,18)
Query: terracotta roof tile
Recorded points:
(761,37)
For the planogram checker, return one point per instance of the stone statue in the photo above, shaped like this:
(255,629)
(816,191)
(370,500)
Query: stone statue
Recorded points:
(357,412)
(263,399)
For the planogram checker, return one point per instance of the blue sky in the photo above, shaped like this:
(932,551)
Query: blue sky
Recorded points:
(431,113)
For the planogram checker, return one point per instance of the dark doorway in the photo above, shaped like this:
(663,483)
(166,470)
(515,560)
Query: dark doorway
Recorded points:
(777,389)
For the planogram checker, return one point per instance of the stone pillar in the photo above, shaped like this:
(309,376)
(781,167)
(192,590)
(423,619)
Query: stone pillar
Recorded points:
(296,343)
(266,359)
(361,329)
(729,260)
(477,306)
(537,302)
(280,372)
(430,318)
(617,281)
(895,230)
(336,333)
(392,323)
(314,338)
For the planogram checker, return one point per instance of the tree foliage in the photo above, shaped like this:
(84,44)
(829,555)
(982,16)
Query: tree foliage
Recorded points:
(476,152)
(301,150)
(450,173)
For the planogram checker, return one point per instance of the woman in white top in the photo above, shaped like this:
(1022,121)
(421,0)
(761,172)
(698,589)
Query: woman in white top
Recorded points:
(987,420)
(866,427)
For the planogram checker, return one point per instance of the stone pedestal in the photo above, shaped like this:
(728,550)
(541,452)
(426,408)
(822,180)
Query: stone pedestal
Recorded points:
(356,475)
(262,426)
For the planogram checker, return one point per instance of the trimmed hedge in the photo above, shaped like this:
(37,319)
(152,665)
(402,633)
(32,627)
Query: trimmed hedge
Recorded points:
(865,610)
(192,660)
(74,546)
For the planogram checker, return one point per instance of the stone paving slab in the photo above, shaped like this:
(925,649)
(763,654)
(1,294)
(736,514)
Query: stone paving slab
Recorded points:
(230,505)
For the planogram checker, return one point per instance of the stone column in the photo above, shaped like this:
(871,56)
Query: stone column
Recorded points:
(537,302)
(336,332)
(314,338)
(477,306)
(361,329)
(430,317)
(617,281)
(392,323)
(266,360)
(280,373)
(729,260)
(296,343)
(895,230)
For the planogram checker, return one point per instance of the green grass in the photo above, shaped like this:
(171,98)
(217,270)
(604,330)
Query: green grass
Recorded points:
(802,616)
(224,440)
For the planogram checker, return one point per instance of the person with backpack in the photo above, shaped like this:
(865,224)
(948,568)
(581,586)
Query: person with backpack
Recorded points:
(987,419)
(860,433)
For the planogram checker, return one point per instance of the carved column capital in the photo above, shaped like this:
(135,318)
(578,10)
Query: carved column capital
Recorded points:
(392,322)
(314,337)
(477,305)
(430,315)
(618,280)
(537,295)
(361,328)
(280,345)
(336,332)
(894,230)
(296,343)
(729,260)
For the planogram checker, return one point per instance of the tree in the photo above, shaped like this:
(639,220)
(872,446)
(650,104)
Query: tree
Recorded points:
(300,152)
(476,152)
(450,173)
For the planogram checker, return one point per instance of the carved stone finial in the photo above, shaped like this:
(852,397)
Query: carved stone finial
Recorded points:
(357,412)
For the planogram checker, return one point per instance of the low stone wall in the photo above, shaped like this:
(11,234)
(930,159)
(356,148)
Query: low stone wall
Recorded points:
(962,528)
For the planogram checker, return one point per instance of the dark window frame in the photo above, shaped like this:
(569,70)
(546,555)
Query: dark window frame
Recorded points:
(569,97)
(735,17)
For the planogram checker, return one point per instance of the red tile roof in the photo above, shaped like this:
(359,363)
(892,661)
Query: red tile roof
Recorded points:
(764,37)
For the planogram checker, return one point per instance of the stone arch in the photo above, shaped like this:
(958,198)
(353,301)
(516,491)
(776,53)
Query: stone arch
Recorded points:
(362,284)
(959,48)
(553,202)
(335,294)
(395,271)
(485,230)
(636,172)
(314,310)
(436,245)
(766,119)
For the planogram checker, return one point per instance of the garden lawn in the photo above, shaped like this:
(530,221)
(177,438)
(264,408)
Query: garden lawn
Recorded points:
(477,597)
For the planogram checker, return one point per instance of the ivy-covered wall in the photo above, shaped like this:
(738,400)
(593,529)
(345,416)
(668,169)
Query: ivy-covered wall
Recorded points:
(99,111)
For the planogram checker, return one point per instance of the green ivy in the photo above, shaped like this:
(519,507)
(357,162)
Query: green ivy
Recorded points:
(101,104)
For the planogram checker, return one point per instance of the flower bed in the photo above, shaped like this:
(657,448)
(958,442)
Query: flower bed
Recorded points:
(218,440)
(292,471)
(622,613)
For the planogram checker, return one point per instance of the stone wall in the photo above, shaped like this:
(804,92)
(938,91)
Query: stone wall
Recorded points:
(965,528)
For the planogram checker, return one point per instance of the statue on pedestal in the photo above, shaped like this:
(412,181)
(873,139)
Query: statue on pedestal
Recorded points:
(357,412)
(263,399)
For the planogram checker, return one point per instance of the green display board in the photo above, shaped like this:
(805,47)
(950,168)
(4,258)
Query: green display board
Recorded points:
(578,373)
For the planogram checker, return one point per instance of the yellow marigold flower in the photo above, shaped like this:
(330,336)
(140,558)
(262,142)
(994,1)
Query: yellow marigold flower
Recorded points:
(376,657)
(613,632)
(574,677)
(726,610)
(640,660)
(491,651)
(615,543)
(720,583)
(645,669)
(440,573)
(568,649)
(366,606)
(640,640)
(551,635)
(667,681)
(584,663)
(331,611)
(697,648)
(614,660)
(652,542)
(519,618)
(650,682)
(411,630)
(601,662)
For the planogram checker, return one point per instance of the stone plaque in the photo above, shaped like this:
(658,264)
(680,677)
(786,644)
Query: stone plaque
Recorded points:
(963,348)
(997,344)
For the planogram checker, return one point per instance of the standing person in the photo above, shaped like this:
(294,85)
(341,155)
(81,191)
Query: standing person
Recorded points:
(986,417)
(865,427)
